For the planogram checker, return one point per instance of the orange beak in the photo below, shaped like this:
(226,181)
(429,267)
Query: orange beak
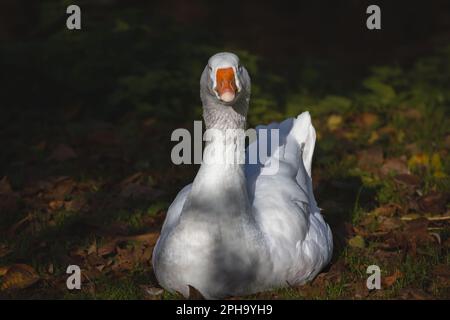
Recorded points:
(226,84)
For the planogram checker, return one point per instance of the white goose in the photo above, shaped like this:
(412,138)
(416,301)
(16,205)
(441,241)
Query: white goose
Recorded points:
(238,228)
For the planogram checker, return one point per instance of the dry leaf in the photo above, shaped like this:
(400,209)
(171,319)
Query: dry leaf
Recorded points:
(62,188)
(419,160)
(415,294)
(361,290)
(388,224)
(103,137)
(62,152)
(387,210)
(434,202)
(334,122)
(4,250)
(56,204)
(357,242)
(152,293)
(107,248)
(370,159)
(19,276)
(367,119)
(408,179)
(134,190)
(3,270)
(394,165)
(390,280)
(5,186)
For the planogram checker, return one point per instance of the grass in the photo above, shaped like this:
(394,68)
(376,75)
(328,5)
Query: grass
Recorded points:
(409,123)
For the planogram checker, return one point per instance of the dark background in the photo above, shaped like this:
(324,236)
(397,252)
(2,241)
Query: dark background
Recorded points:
(86,118)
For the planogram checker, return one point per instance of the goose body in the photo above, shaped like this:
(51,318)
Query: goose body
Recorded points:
(241,228)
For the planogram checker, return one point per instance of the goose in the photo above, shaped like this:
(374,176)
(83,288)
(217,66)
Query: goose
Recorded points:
(241,228)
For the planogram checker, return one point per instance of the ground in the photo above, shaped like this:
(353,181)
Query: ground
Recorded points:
(94,191)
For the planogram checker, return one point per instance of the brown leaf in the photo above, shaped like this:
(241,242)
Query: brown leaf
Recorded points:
(361,290)
(370,159)
(61,153)
(390,280)
(415,294)
(19,276)
(92,248)
(62,188)
(388,224)
(9,200)
(408,179)
(152,293)
(5,186)
(103,137)
(4,250)
(56,204)
(107,248)
(394,165)
(387,210)
(433,202)
(3,270)
(134,178)
(135,190)
(150,237)
(77,204)
(366,119)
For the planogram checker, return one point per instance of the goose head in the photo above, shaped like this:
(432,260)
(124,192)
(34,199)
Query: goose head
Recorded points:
(224,87)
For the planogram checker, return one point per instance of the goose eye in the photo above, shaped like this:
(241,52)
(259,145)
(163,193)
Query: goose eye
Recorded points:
(209,68)
(240,68)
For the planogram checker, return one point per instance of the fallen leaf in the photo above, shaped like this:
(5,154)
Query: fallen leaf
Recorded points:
(387,210)
(19,276)
(134,178)
(361,290)
(367,119)
(3,270)
(394,165)
(4,250)
(103,137)
(357,242)
(388,223)
(390,280)
(136,191)
(5,186)
(436,163)
(62,189)
(433,202)
(152,293)
(107,248)
(61,153)
(373,137)
(370,159)
(419,160)
(415,294)
(407,179)
(442,271)
(334,122)
(92,248)
(411,113)
(77,204)
(56,204)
